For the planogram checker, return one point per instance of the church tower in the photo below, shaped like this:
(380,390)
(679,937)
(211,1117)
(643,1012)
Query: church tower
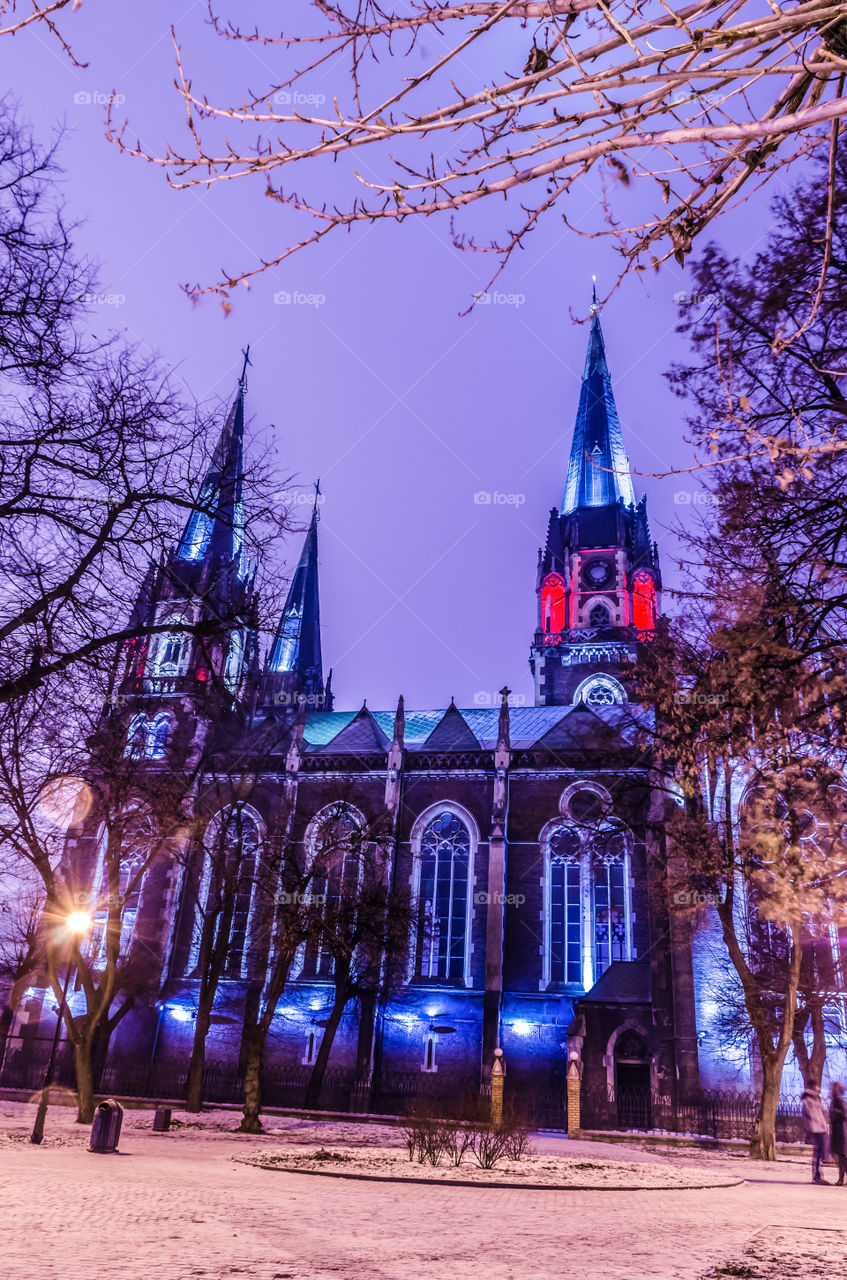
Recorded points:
(599,582)
(200,599)
(294,667)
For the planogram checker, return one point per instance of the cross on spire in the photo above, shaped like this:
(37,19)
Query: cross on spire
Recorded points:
(245,351)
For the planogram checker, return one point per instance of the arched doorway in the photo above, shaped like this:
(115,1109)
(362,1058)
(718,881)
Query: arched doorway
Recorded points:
(632,1081)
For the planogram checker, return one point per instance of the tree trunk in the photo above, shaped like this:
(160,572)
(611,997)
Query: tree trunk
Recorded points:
(84,1081)
(313,1092)
(6,1018)
(194,1084)
(763,1139)
(253,1058)
(810,1064)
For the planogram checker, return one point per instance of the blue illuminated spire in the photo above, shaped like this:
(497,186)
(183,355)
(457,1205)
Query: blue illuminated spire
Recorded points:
(296,650)
(215,529)
(598,470)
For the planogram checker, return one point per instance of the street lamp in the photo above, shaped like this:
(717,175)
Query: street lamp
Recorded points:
(76,926)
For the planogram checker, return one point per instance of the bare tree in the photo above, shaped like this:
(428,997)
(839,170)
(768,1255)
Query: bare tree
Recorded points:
(88,819)
(748,729)
(100,457)
(686,107)
(21,947)
(362,926)
(765,383)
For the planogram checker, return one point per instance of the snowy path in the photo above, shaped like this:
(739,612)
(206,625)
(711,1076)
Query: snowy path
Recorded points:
(178,1207)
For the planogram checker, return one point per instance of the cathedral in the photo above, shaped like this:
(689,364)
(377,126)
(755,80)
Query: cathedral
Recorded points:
(531,838)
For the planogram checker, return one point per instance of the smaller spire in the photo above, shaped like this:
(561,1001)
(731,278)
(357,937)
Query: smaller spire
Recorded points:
(215,529)
(297,644)
(400,722)
(595,305)
(503,726)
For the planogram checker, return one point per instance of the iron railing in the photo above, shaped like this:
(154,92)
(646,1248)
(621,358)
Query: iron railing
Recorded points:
(541,1105)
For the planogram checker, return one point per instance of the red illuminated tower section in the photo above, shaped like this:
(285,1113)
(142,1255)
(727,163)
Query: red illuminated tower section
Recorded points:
(599,582)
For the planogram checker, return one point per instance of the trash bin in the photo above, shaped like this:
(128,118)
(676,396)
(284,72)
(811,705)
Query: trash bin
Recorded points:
(161,1119)
(106,1129)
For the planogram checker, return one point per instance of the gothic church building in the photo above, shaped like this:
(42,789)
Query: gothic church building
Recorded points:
(530,837)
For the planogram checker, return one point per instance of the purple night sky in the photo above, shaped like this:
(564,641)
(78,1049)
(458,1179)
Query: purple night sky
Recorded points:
(369,377)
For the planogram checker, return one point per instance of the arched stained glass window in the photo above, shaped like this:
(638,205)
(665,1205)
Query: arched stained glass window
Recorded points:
(644,601)
(553,604)
(159,737)
(334,843)
(442,899)
(565,906)
(609,914)
(588,908)
(599,616)
(136,738)
(231,849)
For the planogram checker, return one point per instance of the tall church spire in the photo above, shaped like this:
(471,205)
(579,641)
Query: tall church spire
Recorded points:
(598,470)
(599,581)
(294,664)
(215,529)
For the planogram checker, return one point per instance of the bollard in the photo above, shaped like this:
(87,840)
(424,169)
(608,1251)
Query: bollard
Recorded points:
(106,1129)
(498,1074)
(574,1117)
(161,1119)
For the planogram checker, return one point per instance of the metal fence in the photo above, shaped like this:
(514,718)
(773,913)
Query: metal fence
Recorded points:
(541,1105)
(709,1114)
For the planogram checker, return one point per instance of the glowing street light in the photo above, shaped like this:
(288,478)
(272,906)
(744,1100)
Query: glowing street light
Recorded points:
(76,925)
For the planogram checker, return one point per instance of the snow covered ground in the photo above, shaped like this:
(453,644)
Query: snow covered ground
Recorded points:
(186,1205)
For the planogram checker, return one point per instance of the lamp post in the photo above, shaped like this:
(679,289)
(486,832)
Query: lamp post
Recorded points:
(77,924)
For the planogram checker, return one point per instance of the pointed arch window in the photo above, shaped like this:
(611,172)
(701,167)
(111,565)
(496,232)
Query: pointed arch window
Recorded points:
(644,601)
(442,895)
(599,616)
(588,909)
(136,738)
(333,845)
(170,651)
(159,736)
(225,895)
(552,604)
(136,854)
(232,672)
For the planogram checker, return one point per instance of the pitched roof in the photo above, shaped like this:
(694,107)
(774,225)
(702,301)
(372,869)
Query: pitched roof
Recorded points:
(331,731)
(452,733)
(360,734)
(624,982)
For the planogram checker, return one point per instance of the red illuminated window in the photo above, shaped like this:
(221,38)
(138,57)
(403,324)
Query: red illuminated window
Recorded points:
(644,602)
(552,603)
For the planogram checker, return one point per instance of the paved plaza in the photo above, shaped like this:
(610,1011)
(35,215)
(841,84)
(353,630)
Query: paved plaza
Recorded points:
(184,1206)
